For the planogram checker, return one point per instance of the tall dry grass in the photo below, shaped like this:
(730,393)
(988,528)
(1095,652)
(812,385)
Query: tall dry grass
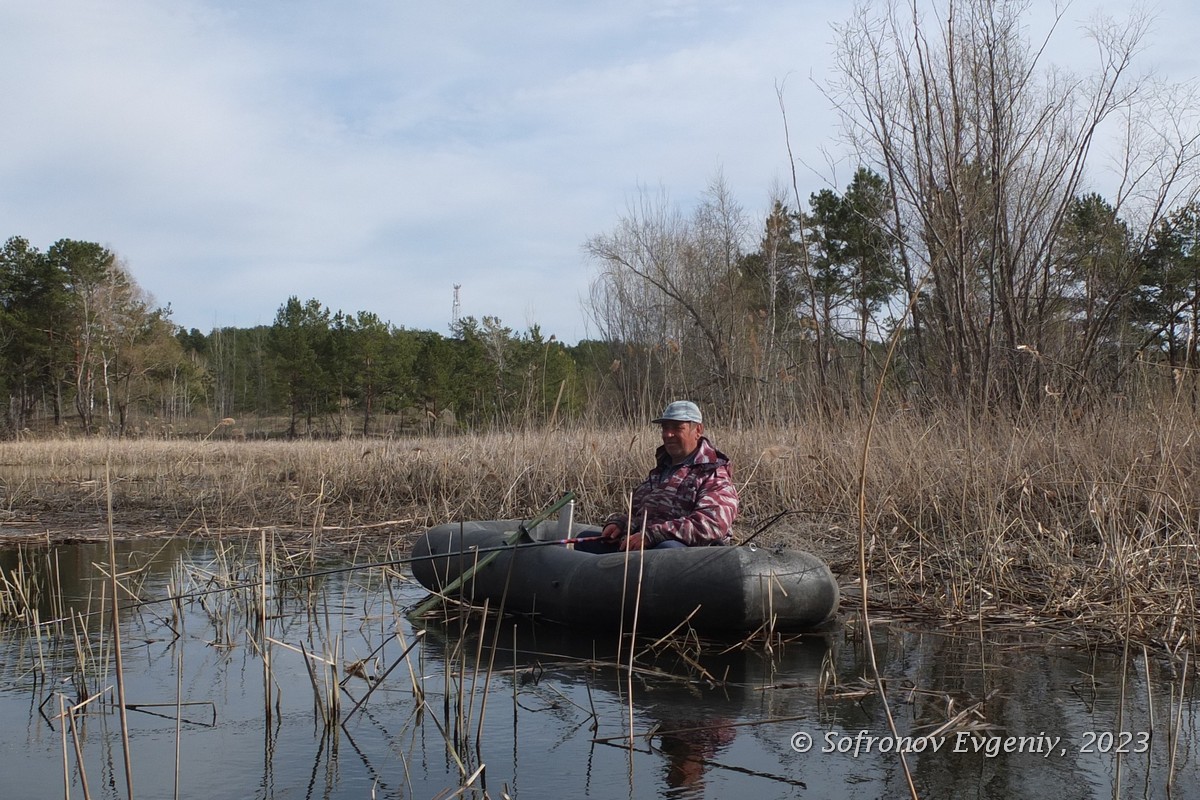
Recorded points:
(1064,524)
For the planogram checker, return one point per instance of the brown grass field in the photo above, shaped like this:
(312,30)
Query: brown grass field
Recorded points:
(1082,530)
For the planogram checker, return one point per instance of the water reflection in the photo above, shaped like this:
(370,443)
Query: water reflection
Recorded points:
(690,749)
(542,710)
(64,581)
(686,700)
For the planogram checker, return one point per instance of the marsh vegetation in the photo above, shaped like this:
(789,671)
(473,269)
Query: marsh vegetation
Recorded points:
(1085,528)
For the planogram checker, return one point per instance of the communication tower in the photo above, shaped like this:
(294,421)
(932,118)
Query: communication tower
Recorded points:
(454,311)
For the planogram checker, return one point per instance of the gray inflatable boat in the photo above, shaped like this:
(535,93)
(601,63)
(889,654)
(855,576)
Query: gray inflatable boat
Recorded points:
(735,589)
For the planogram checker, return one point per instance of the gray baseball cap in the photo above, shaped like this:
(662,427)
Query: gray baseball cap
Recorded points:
(680,411)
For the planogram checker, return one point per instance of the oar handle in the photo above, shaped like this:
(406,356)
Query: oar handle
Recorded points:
(549,511)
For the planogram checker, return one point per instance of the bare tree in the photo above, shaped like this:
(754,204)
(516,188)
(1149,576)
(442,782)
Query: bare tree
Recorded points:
(668,293)
(784,343)
(986,147)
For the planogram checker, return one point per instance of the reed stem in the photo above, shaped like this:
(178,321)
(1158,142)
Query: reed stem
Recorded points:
(116,632)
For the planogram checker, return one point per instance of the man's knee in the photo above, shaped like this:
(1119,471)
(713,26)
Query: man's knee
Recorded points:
(668,544)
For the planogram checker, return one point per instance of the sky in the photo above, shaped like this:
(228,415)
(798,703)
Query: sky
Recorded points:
(372,154)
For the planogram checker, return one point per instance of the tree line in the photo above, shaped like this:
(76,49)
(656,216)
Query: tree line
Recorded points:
(79,340)
(336,374)
(969,235)
(800,324)
(83,348)
(791,327)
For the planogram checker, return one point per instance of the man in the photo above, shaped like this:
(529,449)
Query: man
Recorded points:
(687,500)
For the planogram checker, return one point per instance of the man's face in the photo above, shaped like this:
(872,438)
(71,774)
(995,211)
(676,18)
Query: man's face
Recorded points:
(681,438)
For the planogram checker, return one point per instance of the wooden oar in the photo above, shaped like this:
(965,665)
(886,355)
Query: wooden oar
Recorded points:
(511,539)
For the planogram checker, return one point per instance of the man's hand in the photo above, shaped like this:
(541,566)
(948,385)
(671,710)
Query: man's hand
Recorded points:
(611,533)
(635,542)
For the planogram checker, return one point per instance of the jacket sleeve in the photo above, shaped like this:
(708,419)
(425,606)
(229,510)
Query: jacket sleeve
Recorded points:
(620,520)
(710,521)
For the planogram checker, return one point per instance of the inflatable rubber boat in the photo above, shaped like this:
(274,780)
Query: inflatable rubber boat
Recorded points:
(740,588)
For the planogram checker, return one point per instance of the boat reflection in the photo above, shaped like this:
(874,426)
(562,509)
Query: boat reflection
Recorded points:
(686,699)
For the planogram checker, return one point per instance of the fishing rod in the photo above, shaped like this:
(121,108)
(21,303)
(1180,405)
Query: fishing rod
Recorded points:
(468,552)
(765,526)
(513,542)
(475,551)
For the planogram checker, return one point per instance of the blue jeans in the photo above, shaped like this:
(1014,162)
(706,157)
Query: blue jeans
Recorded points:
(600,546)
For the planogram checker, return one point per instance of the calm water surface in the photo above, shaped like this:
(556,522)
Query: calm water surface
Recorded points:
(544,713)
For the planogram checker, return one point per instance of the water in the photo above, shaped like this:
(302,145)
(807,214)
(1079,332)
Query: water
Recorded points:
(547,713)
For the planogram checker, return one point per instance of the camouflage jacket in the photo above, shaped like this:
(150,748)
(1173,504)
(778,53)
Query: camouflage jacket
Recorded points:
(694,503)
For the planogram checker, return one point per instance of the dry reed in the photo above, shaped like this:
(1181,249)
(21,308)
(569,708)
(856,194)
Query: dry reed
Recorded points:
(116,634)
